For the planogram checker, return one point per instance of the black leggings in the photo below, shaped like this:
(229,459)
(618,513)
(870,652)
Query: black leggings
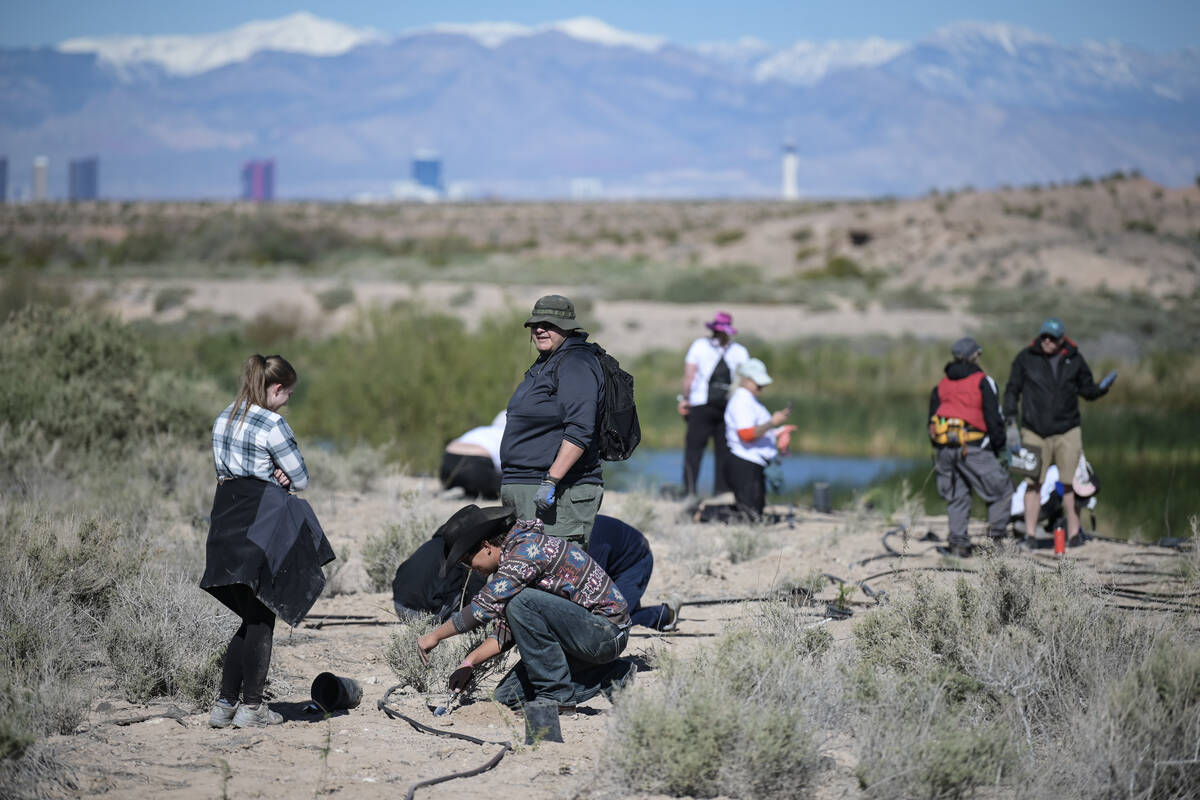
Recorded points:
(248,656)
(705,422)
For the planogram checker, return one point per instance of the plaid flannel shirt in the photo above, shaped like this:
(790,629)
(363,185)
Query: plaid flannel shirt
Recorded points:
(530,559)
(254,445)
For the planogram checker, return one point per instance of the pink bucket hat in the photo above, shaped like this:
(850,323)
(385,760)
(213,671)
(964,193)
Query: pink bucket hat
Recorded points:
(722,322)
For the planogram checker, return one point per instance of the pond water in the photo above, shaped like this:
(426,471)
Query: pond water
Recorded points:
(651,469)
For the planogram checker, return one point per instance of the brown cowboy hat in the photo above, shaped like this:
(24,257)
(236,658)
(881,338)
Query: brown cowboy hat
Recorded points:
(469,526)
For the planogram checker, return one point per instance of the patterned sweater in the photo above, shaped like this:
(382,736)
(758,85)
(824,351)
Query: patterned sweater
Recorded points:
(531,560)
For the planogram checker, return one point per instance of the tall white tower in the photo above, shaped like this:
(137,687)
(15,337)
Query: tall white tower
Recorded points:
(791,190)
(41,166)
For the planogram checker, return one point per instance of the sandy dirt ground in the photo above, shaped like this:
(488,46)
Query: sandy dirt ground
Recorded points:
(364,754)
(625,327)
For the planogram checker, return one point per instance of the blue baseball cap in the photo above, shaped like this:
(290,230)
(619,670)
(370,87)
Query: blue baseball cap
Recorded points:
(1052,327)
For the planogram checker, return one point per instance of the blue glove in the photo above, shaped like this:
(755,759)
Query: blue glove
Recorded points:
(1012,438)
(543,501)
(1108,380)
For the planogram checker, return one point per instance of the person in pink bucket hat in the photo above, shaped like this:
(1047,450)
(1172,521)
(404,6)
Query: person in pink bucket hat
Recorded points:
(708,371)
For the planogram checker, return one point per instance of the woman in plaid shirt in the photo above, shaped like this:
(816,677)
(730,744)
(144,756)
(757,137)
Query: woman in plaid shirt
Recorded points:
(258,569)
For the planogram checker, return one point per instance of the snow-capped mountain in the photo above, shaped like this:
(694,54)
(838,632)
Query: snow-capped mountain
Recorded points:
(807,63)
(193,54)
(521,110)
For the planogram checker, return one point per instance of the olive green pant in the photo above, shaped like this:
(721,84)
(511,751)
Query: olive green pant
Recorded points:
(572,515)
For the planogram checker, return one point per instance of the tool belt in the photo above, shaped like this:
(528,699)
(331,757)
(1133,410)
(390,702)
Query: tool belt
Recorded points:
(953,432)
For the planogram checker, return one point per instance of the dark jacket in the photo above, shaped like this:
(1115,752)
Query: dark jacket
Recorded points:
(1049,401)
(418,587)
(560,398)
(989,401)
(262,537)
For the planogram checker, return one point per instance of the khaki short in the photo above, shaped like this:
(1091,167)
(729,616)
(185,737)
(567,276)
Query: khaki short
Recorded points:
(1063,450)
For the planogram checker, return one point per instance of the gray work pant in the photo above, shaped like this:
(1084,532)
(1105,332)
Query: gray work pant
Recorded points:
(958,474)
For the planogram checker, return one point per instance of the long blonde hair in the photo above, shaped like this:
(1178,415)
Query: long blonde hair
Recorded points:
(258,373)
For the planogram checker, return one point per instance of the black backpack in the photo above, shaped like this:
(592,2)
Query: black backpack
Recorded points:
(719,383)
(619,430)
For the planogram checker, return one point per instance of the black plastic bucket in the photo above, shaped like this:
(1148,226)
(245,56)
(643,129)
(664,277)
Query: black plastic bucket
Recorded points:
(541,722)
(332,693)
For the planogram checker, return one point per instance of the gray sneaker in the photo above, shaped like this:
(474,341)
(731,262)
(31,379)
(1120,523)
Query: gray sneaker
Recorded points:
(673,604)
(259,716)
(222,714)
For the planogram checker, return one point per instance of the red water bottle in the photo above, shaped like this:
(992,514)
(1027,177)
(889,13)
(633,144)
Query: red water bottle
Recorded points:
(1060,541)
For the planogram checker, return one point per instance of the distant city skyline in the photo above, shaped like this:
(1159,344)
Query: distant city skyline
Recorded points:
(1162,25)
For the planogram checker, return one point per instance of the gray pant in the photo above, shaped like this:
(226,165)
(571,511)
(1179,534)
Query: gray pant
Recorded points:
(958,474)
(568,654)
(572,515)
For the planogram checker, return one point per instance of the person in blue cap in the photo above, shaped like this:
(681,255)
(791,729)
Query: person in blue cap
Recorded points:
(1047,379)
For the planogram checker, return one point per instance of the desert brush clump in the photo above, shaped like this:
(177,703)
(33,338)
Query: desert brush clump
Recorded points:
(742,719)
(405,662)
(162,636)
(1026,680)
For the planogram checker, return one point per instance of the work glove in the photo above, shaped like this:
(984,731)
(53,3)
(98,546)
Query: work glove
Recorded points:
(461,678)
(543,501)
(1108,380)
(1012,438)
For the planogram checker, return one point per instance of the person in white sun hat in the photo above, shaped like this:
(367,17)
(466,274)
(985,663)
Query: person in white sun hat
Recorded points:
(753,434)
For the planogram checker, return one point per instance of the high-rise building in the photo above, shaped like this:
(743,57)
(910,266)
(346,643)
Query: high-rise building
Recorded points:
(258,180)
(791,189)
(41,166)
(3,179)
(83,178)
(427,170)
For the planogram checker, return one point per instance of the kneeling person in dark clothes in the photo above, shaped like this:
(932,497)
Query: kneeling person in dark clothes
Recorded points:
(565,615)
(966,427)
(623,552)
(620,549)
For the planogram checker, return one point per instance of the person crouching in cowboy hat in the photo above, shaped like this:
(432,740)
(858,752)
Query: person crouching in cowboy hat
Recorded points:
(564,614)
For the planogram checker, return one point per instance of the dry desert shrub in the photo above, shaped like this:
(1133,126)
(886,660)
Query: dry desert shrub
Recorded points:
(742,719)
(44,686)
(405,662)
(162,636)
(1029,682)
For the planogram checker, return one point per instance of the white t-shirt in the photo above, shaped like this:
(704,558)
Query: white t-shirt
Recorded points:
(744,411)
(488,437)
(705,353)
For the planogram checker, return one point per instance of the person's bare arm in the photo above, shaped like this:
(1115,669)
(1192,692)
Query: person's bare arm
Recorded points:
(568,454)
(689,375)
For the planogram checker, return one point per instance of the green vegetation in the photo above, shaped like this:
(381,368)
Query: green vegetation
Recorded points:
(727,237)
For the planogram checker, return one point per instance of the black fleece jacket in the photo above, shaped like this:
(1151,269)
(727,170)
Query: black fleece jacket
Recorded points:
(957,370)
(561,397)
(1049,401)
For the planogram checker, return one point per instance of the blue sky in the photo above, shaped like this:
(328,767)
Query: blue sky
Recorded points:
(1152,24)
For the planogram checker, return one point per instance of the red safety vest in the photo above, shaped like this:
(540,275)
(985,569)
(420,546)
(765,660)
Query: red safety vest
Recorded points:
(962,399)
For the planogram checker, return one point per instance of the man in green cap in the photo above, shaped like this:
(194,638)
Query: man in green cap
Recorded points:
(550,462)
(1048,378)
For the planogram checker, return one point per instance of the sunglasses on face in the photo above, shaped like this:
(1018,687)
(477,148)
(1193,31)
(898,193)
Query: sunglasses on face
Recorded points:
(1045,337)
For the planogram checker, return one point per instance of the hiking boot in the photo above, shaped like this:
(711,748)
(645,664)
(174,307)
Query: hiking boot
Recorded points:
(222,714)
(956,550)
(673,604)
(259,716)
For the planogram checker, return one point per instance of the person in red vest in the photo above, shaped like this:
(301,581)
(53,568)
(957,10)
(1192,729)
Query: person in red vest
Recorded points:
(967,428)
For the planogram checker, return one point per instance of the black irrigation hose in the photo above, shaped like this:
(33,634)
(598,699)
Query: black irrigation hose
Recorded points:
(392,713)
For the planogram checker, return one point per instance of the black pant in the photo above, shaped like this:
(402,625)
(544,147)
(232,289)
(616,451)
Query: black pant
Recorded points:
(477,475)
(248,656)
(749,486)
(704,422)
